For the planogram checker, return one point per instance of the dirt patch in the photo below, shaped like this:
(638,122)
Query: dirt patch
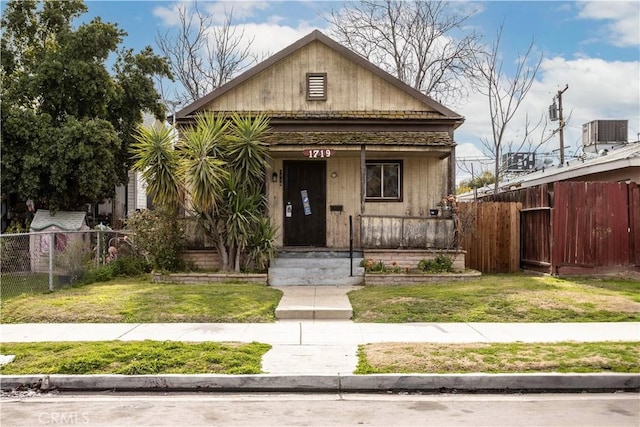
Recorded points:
(485,357)
(573,300)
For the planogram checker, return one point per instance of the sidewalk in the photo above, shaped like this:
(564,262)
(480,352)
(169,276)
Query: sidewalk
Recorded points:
(320,354)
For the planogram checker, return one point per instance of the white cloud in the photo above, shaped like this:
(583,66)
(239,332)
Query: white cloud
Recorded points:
(623,27)
(269,38)
(241,10)
(598,90)
(219,10)
(168,14)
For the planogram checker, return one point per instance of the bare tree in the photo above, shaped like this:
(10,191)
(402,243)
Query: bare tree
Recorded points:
(415,41)
(505,94)
(204,55)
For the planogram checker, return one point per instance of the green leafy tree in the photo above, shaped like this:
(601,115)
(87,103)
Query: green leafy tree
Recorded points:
(483,180)
(67,121)
(216,170)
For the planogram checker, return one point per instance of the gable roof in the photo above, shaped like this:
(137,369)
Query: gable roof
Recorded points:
(67,221)
(315,35)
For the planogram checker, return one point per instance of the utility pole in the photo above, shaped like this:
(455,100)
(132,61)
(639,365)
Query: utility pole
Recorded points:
(561,123)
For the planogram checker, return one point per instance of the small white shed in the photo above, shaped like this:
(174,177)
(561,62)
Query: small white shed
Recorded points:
(63,226)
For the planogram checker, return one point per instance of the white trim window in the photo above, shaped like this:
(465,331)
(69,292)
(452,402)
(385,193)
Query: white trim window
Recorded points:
(384,181)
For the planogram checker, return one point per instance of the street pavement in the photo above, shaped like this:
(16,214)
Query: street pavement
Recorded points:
(322,354)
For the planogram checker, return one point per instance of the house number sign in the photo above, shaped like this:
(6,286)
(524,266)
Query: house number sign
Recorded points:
(318,153)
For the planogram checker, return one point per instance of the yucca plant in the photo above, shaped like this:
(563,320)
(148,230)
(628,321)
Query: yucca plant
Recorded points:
(261,245)
(155,157)
(202,161)
(220,165)
(247,152)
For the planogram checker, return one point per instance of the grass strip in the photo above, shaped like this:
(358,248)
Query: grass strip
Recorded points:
(133,358)
(429,358)
(137,300)
(501,298)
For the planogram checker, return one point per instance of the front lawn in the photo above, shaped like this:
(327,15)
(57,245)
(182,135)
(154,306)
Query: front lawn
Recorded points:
(429,358)
(137,300)
(501,298)
(133,358)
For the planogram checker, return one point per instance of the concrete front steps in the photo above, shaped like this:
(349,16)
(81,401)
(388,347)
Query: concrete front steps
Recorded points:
(315,283)
(315,268)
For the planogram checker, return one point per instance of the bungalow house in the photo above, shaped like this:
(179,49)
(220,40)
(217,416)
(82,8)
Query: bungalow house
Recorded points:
(357,156)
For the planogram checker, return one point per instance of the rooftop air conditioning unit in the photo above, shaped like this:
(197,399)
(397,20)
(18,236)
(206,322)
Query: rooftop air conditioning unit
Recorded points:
(604,134)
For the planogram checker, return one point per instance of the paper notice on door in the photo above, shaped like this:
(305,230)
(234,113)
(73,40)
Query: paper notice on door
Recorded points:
(289,210)
(305,202)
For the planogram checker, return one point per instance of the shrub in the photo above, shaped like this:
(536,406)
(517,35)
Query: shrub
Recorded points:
(370,266)
(75,259)
(129,265)
(99,274)
(158,235)
(440,264)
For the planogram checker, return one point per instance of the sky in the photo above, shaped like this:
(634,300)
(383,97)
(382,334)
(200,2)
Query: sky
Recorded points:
(591,46)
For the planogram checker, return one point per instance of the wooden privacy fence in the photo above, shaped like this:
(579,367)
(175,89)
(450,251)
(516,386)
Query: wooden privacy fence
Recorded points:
(594,226)
(490,233)
(559,228)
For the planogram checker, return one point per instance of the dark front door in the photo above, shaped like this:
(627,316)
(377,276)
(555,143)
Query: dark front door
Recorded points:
(305,199)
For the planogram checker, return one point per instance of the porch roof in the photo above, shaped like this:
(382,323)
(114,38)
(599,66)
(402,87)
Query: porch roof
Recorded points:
(439,139)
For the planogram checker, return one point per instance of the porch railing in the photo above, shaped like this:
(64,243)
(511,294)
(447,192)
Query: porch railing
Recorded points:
(390,231)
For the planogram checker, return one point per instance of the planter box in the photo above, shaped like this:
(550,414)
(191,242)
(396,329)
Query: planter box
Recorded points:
(195,278)
(409,258)
(383,279)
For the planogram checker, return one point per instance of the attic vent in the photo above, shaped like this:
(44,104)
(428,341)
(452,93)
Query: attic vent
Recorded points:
(316,86)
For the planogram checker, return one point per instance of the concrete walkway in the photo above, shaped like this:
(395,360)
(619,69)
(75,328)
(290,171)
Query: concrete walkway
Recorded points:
(314,302)
(319,347)
(317,354)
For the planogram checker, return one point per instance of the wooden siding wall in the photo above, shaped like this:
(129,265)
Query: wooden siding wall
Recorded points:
(423,188)
(282,87)
(407,232)
(491,236)
(343,190)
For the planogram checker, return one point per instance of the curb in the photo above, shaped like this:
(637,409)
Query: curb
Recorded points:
(537,382)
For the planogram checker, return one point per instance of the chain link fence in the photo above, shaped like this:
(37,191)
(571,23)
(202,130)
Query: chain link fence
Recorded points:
(46,261)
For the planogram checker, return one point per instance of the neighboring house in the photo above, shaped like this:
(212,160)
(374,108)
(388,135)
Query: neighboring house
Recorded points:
(128,198)
(617,164)
(348,141)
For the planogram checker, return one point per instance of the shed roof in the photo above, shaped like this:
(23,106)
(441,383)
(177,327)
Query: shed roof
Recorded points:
(626,156)
(64,220)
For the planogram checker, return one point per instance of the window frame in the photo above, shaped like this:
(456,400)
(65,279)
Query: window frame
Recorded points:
(324,87)
(381,198)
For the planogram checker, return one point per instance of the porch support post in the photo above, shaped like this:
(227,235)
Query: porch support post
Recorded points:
(363,177)
(452,172)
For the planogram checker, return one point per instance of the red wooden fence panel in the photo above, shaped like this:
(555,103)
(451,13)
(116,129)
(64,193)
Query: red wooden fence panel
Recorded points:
(590,225)
(634,223)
